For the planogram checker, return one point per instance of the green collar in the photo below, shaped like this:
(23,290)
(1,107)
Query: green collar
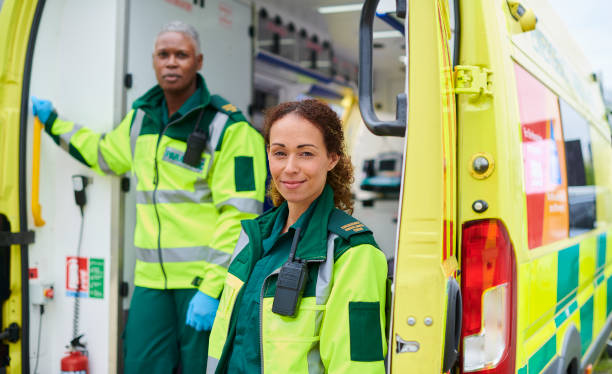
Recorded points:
(154,98)
(191,103)
(313,240)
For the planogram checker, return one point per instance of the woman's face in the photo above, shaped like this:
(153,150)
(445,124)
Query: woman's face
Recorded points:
(299,160)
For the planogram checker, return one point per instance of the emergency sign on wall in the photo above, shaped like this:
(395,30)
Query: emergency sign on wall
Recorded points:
(85,277)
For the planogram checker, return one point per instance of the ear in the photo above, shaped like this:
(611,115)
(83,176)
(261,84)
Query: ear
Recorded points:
(200,60)
(333,161)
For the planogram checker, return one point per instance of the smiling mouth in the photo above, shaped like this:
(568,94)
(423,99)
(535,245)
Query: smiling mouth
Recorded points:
(292,184)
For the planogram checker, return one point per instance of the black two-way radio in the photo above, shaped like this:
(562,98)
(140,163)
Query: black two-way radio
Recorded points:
(291,281)
(196,143)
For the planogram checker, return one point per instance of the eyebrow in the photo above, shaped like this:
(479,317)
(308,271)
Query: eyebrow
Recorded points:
(299,146)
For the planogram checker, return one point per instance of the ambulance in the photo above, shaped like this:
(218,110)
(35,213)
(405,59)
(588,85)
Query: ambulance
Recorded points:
(502,262)
(497,238)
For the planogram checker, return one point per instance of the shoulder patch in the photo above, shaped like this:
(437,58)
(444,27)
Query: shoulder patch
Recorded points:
(354,226)
(345,225)
(228,108)
(352,231)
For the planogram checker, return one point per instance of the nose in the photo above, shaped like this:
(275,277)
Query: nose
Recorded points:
(171,60)
(292,166)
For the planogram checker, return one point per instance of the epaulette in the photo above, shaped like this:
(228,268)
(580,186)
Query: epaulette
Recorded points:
(228,108)
(350,229)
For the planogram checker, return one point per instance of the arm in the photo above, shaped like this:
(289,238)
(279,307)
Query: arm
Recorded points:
(104,153)
(353,328)
(238,189)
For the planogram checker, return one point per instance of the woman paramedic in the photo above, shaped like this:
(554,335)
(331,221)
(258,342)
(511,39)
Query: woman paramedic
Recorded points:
(305,291)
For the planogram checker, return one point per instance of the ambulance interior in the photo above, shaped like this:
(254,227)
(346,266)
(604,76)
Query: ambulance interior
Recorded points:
(93,59)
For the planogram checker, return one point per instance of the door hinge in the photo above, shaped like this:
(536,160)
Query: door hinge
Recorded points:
(473,80)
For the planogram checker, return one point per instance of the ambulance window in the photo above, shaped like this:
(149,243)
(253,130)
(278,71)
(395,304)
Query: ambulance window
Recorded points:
(580,171)
(543,161)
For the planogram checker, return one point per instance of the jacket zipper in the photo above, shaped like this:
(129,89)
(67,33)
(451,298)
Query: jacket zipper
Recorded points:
(156,184)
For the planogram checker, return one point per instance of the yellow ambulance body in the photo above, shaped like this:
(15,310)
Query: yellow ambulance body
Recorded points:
(507,189)
(503,257)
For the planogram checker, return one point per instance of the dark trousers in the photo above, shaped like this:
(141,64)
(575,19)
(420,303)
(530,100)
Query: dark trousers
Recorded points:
(156,339)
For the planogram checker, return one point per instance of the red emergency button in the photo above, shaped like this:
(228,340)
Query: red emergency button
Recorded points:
(48,293)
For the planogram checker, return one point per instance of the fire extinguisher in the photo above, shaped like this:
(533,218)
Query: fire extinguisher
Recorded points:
(76,361)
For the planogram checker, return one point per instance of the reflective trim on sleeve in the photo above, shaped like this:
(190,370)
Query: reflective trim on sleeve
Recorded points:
(101,161)
(211,365)
(244,205)
(315,364)
(185,254)
(174,196)
(326,269)
(216,128)
(243,241)
(135,130)
(65,137)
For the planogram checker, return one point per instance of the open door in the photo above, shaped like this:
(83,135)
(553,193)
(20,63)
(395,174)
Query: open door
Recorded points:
(427,300)
(426,320)
(426,310)
(18,26)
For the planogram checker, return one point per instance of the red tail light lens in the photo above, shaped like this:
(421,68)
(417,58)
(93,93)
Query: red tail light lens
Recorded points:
(488,290)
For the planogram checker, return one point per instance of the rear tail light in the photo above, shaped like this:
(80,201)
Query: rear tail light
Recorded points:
(488,284)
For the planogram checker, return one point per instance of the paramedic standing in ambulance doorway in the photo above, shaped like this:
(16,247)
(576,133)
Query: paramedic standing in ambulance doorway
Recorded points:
(200,170)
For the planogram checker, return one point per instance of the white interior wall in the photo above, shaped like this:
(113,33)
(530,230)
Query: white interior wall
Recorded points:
(74,66)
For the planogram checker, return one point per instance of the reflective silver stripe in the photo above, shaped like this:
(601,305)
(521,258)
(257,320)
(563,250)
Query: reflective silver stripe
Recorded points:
(101,161)
(326,269)
(185,254)
(211,365)
(65,137)
(216,128)
(174,196)
(243,241)
(315,365)
(135,130)
(244,205)
(323,289)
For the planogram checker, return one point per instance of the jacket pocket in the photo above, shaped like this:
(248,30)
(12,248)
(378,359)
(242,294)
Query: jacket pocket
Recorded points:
(295,339)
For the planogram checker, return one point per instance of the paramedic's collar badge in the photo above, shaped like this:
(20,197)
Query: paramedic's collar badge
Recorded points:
(353,226)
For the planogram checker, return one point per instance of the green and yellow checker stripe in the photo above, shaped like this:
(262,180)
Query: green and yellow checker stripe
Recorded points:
(569,287)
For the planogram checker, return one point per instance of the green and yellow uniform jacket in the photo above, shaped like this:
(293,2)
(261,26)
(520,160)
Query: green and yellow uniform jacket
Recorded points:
(187,218)
(339,324)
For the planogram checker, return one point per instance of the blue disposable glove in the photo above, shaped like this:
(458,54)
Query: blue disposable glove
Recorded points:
(42,109)
(201,311)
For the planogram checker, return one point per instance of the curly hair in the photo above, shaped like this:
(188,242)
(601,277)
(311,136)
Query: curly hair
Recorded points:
(325,119)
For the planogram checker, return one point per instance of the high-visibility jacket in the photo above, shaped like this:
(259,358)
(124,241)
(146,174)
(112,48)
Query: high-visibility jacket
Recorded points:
(339,325)
(187,218)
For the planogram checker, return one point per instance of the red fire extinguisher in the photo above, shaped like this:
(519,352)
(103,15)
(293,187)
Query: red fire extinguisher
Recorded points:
(75,362)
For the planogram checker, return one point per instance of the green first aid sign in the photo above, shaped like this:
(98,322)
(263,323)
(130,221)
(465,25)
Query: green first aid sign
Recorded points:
(96,278)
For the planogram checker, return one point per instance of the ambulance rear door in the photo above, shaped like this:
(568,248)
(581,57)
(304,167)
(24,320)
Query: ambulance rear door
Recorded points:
(426,303)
